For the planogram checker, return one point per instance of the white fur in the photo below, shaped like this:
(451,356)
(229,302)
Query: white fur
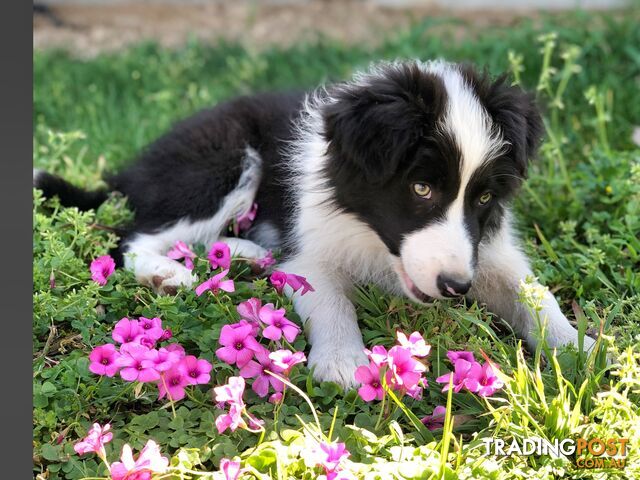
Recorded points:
(467,121)
(146,252)
(443,248)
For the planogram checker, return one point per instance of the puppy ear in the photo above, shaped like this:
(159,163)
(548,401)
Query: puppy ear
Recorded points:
(374,125)
(518,116)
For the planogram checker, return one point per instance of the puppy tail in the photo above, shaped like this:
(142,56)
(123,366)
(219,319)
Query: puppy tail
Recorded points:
(69,195)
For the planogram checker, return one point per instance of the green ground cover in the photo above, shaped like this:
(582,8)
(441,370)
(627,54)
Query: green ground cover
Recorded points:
(579,215)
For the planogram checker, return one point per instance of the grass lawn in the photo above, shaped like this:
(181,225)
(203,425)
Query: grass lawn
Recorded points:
(579,214)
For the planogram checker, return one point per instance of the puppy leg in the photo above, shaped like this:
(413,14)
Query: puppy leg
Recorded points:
(331,325)
(146,252)
(146,257)
(501,267)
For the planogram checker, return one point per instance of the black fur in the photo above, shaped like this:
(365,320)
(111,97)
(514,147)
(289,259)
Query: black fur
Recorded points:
(374,129)
(69,195)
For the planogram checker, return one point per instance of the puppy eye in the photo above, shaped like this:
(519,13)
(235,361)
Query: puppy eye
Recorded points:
(485,198)
(422,190)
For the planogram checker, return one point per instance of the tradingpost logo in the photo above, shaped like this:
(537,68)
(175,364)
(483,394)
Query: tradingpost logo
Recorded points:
(589,452)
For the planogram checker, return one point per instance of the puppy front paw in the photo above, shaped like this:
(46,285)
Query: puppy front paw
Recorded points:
(337,363)
(167,276)
(565,334)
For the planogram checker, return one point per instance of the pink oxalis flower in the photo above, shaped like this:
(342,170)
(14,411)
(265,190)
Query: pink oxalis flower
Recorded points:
(489,382)
(285,359)
(139,361)
(231,392)
(238,344)
(266,261)
(249,310)
(416,390)
(127,331)
(104,360)
(220,256)
(256,369)
(415,343)
(278,324)
(470,375)
(230,469)
(166,334)
(465,375)
(231,420)
(177,349)
(231,395)
(132,363)
(180,251)
(297,282)
(146,342)
(95,441)
(243,222)
(275,397)
(172,384)
(404,370)
(279,279)
(436,419)
(161,360)
(369,377)
(453,356)
(195,370)
(149,461)
(101,269)
(378,355)
(216,283)
(151,328)
(255,327)
(328,455)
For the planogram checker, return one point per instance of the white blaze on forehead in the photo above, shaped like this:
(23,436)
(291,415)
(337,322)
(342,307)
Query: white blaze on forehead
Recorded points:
(467,122)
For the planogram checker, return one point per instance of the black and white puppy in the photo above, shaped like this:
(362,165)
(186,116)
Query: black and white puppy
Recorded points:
(401,177)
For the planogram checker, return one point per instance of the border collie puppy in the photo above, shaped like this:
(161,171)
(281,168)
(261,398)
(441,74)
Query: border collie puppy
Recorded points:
(401,177)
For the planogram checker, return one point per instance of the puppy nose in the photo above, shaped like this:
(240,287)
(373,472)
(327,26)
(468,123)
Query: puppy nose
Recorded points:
(452,288)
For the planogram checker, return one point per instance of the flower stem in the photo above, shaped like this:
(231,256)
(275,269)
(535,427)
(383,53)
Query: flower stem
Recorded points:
(222,305)
(103,456)
(173,408)
(333,421)
(302,394)
(382,407)
(193,399)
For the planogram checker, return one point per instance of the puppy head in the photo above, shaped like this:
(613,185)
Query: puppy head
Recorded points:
(428,155)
